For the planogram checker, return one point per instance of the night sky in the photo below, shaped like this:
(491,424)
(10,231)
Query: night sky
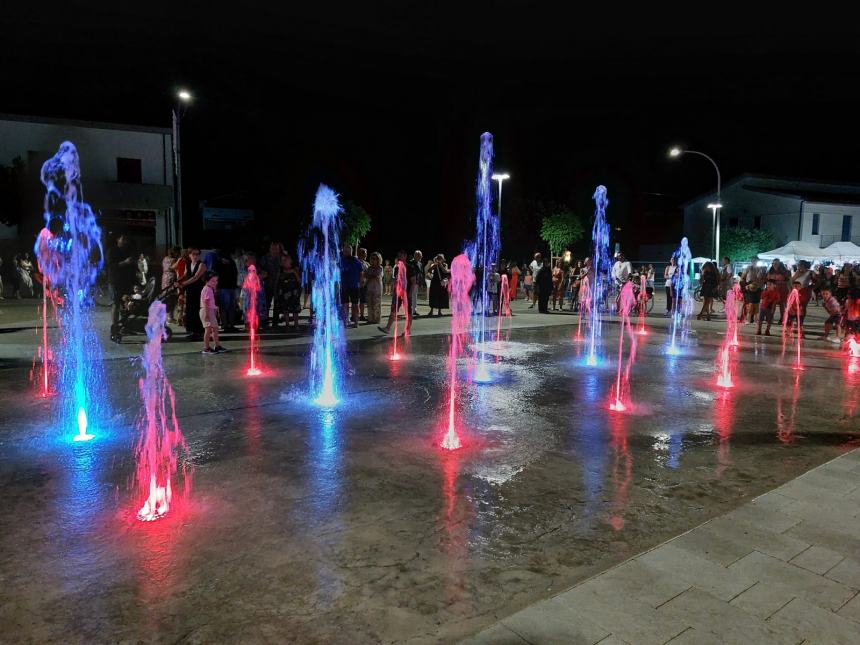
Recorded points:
(386,102)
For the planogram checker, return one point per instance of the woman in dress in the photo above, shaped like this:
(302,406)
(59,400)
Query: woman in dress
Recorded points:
(439,285)
(515,279)
(290,291)
(387,278)
(709,284)
(374,289)
(193,285)
(670,273)
(558,285)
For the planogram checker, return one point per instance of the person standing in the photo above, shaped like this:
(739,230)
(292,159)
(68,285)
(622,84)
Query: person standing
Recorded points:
(362,290)
(780,277)
(439,285)
(387,278)
(269,270)
(290,291)
(709,284)
(543,286)
(558,285)
(670,273)
(417,273)
(122,269)
(373,277)
(228,283)
(193,284)
(515,279)
(350,284)
(208,315)
(536,266)
(396,302)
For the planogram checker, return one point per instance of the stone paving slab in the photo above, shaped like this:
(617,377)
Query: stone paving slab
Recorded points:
(784,568)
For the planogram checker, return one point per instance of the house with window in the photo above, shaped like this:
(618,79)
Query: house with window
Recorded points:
(126,172)
(817,212)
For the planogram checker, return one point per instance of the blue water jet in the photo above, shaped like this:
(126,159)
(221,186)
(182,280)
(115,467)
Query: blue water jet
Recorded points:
(320,261)
(70,255)
(484,252)
(601,270)
(682,305)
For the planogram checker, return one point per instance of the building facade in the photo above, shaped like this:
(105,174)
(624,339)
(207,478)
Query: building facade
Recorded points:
(816,212)
(126,172)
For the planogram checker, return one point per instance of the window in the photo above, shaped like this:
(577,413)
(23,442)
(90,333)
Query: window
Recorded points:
(846,228)
(815,218)
(733,221)
(128,171)
(757,221)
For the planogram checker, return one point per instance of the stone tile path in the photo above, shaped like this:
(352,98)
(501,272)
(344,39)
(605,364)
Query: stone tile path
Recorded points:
(784,568)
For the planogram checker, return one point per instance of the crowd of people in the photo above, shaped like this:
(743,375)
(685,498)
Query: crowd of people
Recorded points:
(21,276)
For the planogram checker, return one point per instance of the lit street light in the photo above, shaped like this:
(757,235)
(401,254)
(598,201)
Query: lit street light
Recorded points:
(184,97)
(677,152)
(500,177)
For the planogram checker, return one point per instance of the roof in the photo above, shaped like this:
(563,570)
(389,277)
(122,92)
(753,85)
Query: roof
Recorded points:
(811,196)
(84,124)
(787,186)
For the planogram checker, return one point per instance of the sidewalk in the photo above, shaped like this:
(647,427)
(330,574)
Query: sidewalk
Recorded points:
(784,568)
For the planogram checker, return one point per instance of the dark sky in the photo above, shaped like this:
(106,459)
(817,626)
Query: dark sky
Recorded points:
(386,101)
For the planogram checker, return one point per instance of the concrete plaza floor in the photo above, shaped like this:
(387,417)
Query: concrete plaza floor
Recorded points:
(352,526)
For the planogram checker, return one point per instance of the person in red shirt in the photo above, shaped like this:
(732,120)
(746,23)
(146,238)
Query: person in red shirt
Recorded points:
(770,297)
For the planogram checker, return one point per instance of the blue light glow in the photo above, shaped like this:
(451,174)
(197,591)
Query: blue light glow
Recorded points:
(682,305)
(321,268)
(70,254)
(601,269)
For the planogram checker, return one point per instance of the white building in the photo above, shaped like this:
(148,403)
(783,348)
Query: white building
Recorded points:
(126,172)
(817,212)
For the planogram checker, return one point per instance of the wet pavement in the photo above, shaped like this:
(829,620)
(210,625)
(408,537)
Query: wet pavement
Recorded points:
(352,526)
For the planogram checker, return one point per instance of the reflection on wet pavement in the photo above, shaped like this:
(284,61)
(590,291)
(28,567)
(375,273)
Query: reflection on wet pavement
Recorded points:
(351,525)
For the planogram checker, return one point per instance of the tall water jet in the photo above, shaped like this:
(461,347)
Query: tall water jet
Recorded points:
(401,290)
(601,268)
(160,443)
(462,279)
(738,315)
(626,302)
(251,290)
(724,360)
(70,254)
(319,258)
(793,301)
(486,247)
(682,303)
(41,372)
(643,305)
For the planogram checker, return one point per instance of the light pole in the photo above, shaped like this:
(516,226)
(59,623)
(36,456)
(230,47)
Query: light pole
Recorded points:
(716,206)
(500,177)
(183,98)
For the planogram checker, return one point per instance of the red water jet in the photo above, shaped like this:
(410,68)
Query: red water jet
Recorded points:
(462,279)
(251,290)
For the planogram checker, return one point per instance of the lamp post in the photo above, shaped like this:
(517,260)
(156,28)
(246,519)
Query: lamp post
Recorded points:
(183,98)
(716,206)
(500,177)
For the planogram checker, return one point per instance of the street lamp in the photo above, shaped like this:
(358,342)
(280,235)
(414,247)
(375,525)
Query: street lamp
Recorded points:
(183,99)
(500,177)
(677,152)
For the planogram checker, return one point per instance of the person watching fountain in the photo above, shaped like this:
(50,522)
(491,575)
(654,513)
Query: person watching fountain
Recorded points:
(535,267)
(350,285)
(543,285)
(193,285)
(269,270)
(395,300)
(362,290)
(373,281)
(416,274)
(122,274)
(621,270)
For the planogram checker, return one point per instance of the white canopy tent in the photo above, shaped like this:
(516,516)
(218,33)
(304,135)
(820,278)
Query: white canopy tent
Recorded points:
(794,251)
(843,252)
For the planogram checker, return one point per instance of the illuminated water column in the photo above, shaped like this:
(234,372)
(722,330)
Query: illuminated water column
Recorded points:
(601,269)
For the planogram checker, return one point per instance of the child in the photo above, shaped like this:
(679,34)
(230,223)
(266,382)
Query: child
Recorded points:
(528,281)
(792,317)
(753,299)
(493,288)
(208,314)
(834,314)
(769,299)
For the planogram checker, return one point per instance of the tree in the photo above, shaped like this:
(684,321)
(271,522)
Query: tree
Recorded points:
(741,244)
(560,229)
(354,223)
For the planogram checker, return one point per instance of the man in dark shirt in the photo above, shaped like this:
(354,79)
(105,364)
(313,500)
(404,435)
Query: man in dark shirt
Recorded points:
(228,276)
(350,284)
(269,270)
(416,277)
(122,267)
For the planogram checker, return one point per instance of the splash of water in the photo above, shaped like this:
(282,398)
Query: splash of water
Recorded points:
(485,251)
(160,443)
(504,306)
(41,372)
(793,301)
(401,290)
(626,302)
(601,269)
(724,360)
(251,290)
(462,279)
(682,304)
(319,258)
(643,304)
(739,318)
(584,305)
(70,255)
(853,347)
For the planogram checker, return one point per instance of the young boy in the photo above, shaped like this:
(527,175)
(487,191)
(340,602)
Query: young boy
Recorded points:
(769,300)
(208,314)
(834,314)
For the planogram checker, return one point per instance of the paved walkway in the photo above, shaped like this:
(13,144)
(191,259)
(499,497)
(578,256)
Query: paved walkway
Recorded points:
(784,568)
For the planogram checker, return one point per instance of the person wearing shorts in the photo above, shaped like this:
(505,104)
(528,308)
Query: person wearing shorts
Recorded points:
(350,285)
(769,300)
(834,314)
(209,315)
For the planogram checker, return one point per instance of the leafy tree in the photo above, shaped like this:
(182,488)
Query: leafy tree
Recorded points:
(741,244)
(560,228)
(354,223)
(12,192)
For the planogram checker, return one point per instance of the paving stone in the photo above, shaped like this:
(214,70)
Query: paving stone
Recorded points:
(762,518)
(498,634)
(817,559)
(832,537)
(805,584)
(815,624)
(730,624)
(725,542)
(630,620)
(612,639)
(696,570)
(693,636)
(763,599)
(847,572)
(637,580)
(836,513)
(772,501)
(547,622)
(851,609)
